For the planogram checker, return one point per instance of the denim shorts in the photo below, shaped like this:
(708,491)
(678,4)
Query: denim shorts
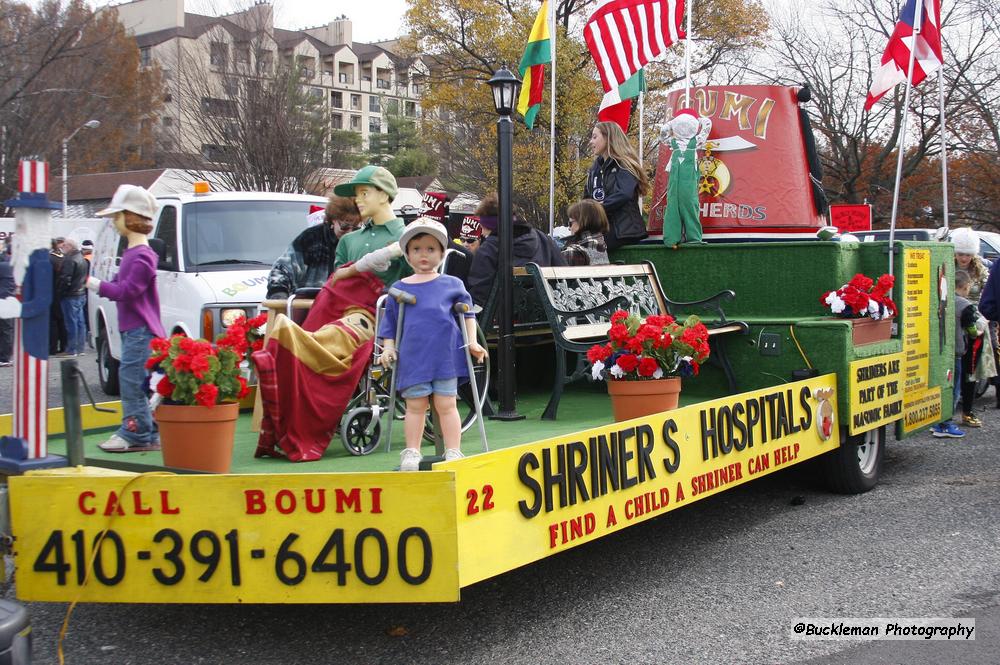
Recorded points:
(447,387)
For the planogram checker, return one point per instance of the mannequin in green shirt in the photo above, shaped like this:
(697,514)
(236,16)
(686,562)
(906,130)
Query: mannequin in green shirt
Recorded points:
(373,189)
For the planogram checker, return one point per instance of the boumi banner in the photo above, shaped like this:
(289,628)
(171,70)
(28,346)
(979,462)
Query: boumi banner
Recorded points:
(754,176)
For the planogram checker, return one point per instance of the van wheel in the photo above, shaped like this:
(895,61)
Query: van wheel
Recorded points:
(107,366)
(854,467)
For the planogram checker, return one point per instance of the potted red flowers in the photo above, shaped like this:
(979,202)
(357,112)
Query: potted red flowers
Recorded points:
(198,392)
(868,304)
(644,360)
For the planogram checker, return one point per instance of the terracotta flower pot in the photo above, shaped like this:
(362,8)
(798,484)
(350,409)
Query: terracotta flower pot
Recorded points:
(635,399)
(198,437)
(869,331)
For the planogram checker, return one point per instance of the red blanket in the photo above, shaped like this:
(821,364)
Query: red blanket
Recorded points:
(307,374)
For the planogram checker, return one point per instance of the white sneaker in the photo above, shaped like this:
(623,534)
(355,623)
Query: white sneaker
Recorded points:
(452,453)
(409,459)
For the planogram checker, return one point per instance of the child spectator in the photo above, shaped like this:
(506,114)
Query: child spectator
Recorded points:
(431,358)
(965,336)
(134,289)
(586,247)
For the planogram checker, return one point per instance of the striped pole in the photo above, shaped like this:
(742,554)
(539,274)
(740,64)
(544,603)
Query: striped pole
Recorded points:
(30,397)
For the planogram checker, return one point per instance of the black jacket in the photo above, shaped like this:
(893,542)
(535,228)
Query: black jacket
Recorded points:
(621,201)
(530,246)
(72,275)
(308,261)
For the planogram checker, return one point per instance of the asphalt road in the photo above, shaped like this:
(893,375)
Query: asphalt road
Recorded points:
(720,581)
(86,362)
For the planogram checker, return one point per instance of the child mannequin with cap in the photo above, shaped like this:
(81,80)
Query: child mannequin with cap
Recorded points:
(134,290)
(431,360)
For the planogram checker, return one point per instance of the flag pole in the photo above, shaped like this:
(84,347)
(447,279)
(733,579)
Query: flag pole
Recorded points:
(917,21)
(687,57)
(553,38)
(944,148)
(642,95)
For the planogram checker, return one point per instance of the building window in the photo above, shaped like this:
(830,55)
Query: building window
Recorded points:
(382,83)
(265,60)
(373,104)
(231,86)
(374,125)
(337,100)
(356,123)
(317,93)
(145,56)
(345,78)
(218,107)
(338,121)
(355,102)
(213,152)
(243,55)
(411,109)
(218,54)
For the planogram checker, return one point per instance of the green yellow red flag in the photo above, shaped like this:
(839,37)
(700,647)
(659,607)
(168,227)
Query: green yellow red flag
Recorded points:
(537,53)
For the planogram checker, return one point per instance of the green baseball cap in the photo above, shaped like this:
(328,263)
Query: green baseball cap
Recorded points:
(376,176)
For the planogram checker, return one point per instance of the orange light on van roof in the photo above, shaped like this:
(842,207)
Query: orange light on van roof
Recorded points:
(201,187)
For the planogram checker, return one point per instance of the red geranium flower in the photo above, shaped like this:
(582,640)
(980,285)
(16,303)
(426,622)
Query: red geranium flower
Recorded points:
(648,366)
(628,362)
(206,394)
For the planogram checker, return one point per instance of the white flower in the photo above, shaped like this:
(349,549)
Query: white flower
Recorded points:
(658,374)
(873,309)
(836,303)
(617,371)
(596,372)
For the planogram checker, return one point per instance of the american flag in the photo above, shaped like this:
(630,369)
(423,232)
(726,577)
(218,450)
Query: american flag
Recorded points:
(625,35)
(926,47)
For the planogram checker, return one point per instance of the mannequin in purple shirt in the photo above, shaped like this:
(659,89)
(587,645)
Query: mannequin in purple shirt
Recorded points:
(134,290)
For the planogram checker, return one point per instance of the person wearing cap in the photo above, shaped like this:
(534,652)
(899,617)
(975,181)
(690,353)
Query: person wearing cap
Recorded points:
(471,233)
(616,180)
(967,258)
(431,357)
(7,290)
(310,258)
(530,246)
(132,210)
(373,189)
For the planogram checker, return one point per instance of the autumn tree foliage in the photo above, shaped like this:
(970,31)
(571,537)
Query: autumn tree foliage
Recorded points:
(468,40)
(62,64)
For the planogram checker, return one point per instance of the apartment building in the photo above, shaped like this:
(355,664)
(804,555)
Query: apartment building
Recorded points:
(356,83)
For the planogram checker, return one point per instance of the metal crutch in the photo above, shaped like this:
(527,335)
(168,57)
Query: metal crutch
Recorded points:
(403,298)
(461,308)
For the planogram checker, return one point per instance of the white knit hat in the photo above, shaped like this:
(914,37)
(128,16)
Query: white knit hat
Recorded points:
(966,241)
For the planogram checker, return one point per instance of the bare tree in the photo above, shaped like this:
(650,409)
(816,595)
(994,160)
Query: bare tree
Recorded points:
(248,120)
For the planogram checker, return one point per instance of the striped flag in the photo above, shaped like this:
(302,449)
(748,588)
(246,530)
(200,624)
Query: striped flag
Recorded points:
(623,36)
(537,54)
(927,54)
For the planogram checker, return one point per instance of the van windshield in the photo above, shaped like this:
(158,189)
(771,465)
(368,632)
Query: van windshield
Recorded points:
(219,235)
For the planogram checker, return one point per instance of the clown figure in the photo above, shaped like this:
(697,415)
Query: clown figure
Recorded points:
(686,133)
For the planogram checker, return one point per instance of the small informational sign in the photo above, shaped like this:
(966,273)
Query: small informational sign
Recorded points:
(295,538)
(922,408)
(917,285)
(851,217)
(876,392)
(528,502)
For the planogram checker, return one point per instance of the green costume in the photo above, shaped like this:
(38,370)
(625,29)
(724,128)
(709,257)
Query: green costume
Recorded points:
(681,218)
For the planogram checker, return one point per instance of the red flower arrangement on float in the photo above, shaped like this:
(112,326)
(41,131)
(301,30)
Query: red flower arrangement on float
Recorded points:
(195,371)
(651,348)
(862,297)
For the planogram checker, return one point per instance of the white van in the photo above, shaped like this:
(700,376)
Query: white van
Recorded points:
(217,251)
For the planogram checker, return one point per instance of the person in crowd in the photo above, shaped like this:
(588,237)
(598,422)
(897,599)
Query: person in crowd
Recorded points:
(7,289)
(530,246)
(965,329)
(586,246)
(967,258)
(57,327)
(471,235)
(311,257)
(71,290)
(431,356)
(616,180)
(989,307)
(132,210)
(87,249)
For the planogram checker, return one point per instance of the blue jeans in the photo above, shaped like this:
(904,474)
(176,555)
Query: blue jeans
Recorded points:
(76,326)
(957,397)
(137,421)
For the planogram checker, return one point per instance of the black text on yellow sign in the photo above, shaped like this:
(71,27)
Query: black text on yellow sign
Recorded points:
(312,538)
(547,496)
(876,392)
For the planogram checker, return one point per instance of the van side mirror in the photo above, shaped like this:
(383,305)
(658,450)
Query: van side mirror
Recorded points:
(158,246)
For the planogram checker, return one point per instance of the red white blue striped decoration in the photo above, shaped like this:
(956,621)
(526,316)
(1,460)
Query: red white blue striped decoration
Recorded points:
(34,176)
(30,397)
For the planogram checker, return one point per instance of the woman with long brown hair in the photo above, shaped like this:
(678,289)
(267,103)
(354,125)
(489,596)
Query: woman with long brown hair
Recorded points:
(616,180)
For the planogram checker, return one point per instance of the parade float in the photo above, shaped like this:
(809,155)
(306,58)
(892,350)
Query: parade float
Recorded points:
(797,387)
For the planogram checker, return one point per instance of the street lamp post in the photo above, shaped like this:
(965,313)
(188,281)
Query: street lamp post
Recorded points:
(505,88)
(90,124)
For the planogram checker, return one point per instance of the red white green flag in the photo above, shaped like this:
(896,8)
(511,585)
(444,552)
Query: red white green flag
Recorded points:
(537,54)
